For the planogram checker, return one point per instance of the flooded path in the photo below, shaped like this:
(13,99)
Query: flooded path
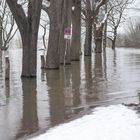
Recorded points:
(29,106)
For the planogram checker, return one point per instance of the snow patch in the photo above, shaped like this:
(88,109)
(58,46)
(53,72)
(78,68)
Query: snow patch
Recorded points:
(104,123)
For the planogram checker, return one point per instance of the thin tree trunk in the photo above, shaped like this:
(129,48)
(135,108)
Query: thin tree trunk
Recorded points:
(88,39)
(105,31)
(113,43)
(66,23)
(62,41)
(0,33)
(76,32)
(98,38)
(105,36)
(114,40)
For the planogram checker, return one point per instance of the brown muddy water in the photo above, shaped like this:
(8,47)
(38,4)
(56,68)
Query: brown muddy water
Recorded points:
(28,106)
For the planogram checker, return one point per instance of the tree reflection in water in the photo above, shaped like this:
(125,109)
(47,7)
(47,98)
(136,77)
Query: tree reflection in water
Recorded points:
(29,123)
(56,96)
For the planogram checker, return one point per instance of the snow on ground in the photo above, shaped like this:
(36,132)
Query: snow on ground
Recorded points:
(115,122)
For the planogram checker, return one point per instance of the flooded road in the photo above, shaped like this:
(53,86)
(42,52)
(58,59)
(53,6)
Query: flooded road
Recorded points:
(28,105)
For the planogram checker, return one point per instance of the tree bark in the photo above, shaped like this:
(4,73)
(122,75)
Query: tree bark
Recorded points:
(76,31)
(52,58)
(28,27)
(113,43)
(55,14)
(66,23)
(88,38)
(114,39)
(0,33)
(105,36)
(89,21)
(98,36)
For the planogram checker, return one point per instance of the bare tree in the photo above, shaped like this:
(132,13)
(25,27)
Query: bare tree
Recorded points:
(132,36)
(87,12)
(7,26)
(76,30)
(60,18)
(45,26)
(28,24)
(116,17)
(91,11)
(54,11)
(66,22)
(98,32)
(100,27)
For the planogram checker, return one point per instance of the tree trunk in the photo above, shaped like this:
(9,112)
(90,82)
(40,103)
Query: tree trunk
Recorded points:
(105,31)
(29,40)
(53,55)
(0,33)
(98,44)
(52,59)
(29,59)
(113,43)
(28,27)
(98,36)
(88,38)
(114,39)
(105,36)
(62,43)
(66,23)
(76,31)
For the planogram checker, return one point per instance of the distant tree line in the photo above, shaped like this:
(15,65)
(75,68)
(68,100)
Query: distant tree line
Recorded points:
(132,38)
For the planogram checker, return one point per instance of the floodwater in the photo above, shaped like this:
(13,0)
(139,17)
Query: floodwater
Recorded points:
(28,106)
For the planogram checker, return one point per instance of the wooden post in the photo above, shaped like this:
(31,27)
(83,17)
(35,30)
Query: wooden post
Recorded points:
(7,68)
(42,62)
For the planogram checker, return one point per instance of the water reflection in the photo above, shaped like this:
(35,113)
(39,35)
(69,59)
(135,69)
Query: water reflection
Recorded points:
(56,95)
(29,122)
(7,90)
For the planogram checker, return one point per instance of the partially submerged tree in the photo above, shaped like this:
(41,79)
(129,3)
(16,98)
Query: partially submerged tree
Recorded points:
(66,22)
(98,33)
(60,14)
(116,17)
(91,12)
(54,11)
(28,24)
(76,30)
(100,27)
(132,36)
(87,12)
